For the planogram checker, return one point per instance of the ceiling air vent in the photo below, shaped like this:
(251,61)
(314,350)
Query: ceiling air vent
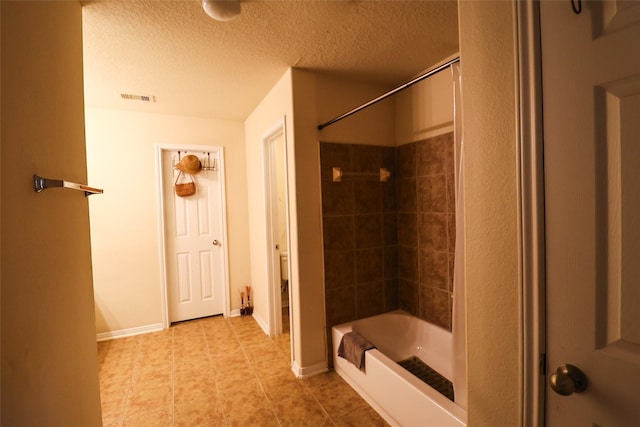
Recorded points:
(144,98)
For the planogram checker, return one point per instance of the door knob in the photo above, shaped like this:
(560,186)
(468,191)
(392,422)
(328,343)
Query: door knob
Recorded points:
(568,380)
(216,243)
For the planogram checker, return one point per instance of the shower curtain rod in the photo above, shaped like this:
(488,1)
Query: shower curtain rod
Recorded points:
(391,92)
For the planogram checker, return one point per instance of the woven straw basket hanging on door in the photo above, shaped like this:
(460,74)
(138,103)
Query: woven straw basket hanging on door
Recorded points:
(185,189)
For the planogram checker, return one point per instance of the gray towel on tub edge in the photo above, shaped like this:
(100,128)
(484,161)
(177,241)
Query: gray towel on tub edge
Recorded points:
(352,348)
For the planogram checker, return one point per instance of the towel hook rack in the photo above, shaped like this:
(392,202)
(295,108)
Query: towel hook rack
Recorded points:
(40,183)
(338,174)
(205,161)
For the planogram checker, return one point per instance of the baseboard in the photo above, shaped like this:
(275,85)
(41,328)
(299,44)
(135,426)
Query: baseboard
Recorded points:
(234,313)
(104,336)
(264,325)
(308,371)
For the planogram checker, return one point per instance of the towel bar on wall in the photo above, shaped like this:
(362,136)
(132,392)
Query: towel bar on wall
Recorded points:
(40,184)
(338,174)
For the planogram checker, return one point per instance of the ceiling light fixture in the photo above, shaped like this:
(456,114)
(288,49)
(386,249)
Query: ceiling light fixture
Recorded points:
(222,10)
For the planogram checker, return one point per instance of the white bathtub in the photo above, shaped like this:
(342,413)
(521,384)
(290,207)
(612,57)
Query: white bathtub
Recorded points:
(397,395)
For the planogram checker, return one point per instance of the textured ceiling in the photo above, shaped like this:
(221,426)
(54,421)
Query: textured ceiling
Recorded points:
(197,66)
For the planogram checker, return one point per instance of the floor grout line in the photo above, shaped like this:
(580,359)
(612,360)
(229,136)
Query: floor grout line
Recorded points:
(173,379)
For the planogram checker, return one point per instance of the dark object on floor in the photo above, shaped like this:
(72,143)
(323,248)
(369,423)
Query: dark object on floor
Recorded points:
(430,376)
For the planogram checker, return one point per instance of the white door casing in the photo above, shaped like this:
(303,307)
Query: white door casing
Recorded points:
(273,231)
(529,146)
(591,108)
(193,236)
(274,222)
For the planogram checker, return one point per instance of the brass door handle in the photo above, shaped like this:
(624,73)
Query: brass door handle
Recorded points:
(568,379)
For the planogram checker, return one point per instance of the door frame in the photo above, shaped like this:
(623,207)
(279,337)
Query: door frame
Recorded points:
(529,148)
(159,150)
(273,265)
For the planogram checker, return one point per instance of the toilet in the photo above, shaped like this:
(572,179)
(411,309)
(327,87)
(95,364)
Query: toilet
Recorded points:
(284,275)
(284,265)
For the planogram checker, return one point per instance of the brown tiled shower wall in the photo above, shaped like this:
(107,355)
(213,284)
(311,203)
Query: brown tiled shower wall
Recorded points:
(389,245)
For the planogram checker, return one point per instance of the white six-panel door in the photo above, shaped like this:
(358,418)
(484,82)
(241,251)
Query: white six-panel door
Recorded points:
(194,240)
(591,103)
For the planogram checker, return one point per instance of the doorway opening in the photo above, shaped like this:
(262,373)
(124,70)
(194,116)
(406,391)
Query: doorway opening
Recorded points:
(277,221)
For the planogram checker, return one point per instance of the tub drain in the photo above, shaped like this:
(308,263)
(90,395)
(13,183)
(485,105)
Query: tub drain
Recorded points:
(430,376)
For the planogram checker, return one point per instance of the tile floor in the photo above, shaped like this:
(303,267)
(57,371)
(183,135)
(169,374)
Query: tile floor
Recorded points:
(219,372)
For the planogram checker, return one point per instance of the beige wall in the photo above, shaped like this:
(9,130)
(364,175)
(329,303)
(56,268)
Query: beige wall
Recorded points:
(316,99)
(49,359)
(488,96)
(273,108)
(124,220)
(425,109)
(333,96)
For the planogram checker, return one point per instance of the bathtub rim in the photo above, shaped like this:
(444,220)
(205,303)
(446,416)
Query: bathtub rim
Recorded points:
(437,399)
(442,402)
(434,333)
